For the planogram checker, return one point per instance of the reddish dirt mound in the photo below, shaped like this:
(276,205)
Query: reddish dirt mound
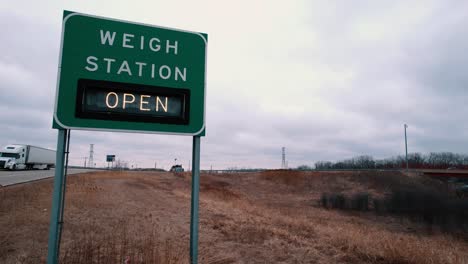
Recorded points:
(294,178)
(219,190)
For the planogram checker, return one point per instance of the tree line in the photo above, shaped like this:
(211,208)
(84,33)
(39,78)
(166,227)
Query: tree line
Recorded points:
(433,160)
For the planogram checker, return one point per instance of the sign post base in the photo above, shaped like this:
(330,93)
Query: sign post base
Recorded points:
(195,200)
(57,198)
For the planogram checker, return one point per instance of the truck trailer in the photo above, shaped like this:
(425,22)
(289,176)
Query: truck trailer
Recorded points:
(26,157)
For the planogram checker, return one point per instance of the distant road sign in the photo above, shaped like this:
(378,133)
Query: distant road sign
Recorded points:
(124,76)
(110,158)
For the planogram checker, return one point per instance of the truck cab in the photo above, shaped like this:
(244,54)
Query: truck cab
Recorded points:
(20,157)
(13,157)
(177,168)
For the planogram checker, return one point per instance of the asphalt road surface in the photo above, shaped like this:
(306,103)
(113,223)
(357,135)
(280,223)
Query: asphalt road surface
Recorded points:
(15,177)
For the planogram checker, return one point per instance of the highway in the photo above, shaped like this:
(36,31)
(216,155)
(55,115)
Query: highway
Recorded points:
(14,177)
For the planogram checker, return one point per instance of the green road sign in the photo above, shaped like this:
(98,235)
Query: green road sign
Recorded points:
(124,76)
(110,158)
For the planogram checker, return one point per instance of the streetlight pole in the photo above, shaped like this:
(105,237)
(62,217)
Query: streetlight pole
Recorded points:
(406,148)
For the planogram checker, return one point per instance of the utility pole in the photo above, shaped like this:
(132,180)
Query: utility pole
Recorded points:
(406,148)
(85,158)
(91,155)
(284,165)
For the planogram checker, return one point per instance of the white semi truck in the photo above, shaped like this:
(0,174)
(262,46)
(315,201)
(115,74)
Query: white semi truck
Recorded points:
(26,157)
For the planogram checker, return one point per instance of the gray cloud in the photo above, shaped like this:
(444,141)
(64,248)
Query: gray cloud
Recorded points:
(326,80)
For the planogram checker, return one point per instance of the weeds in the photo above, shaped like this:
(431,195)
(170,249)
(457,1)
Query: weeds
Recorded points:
(333,201)
(123,248)
(433,209)
(444,211)
(358,202)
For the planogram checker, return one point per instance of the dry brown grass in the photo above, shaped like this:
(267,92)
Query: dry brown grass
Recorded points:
(377,246)
(269,217)
(120,246)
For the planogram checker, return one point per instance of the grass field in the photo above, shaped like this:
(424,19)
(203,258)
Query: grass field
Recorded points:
(267,217)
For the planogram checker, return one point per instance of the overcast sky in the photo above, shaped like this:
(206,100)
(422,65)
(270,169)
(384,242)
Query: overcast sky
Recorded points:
(328,80)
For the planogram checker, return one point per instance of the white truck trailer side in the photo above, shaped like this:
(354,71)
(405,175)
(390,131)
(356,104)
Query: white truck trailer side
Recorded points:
(20,157)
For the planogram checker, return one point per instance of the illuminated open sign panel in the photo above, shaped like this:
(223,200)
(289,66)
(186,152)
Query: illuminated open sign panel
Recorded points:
(123,76)
(132,102)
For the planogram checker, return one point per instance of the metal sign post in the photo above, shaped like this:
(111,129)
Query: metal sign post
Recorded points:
(57,198)
(195,198)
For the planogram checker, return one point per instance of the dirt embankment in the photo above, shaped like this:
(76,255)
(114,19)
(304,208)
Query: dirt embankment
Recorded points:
(269,217)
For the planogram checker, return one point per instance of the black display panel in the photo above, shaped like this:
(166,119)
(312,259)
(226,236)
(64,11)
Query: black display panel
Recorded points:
(132,102)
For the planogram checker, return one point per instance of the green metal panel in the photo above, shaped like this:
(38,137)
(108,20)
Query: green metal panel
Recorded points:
(140,54)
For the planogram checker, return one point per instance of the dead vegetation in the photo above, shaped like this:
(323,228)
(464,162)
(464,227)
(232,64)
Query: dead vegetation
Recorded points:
(268,217)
